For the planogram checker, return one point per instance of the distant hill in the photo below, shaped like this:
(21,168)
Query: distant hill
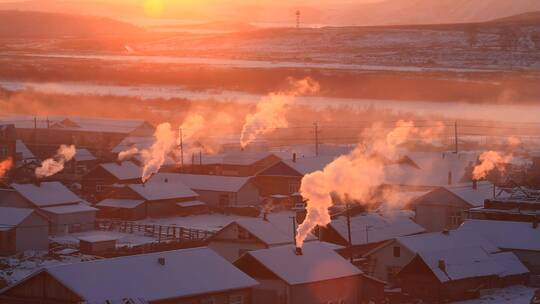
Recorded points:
(532,17)
(51,25)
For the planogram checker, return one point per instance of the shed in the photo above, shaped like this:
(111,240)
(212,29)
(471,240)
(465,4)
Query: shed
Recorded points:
(127,209)
(22,229)
(97,244)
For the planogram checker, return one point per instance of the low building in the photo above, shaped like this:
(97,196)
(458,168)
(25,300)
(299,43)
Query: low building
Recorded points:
(317,274)
(244,235)
(519,209)
(521,238)
(125,209)
(231,163)
(8,140)
(22,229)
(102,179)
(97,244)
(219,191)
(196,275)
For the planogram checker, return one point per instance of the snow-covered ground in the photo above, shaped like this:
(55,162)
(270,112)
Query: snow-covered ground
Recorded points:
(123,239)
(514,294)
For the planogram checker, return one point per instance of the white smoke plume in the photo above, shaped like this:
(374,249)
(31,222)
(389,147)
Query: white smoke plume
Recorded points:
(127,154)
(53,165)
(154,157)
(356,176)
(270,111)
(489,161)
(5,166)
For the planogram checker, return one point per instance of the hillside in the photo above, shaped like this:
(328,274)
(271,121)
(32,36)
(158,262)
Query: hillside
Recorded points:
(52,25)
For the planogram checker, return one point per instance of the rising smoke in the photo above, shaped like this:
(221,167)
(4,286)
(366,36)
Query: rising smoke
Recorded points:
(53,165)
(356,176)
(127,154)
(154,157)
(271,110)
(5,166)
(489,161)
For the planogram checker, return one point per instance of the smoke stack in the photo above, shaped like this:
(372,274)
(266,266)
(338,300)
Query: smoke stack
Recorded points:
(166,180)
(161,261)
(298,251)
(449,177)
(442,265)
(475,184)
(294,157)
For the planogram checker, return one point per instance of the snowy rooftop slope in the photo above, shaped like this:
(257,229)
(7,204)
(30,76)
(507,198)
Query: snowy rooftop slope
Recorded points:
(186,273)
(71,208)
(119,203)
(461,263)
(21,147)
(140,142)
(159,188)
(47,194)
(276,230)
(207,182)
(446,241)
(10,217)
(474,197)
(84,155)
(305,165)
(97,238)
(380,228)
(244,158)
(123,171)
(511,264)
(507,235)
(318,262)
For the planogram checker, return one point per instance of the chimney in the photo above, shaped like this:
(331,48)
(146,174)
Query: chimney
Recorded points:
(449,177)
(161,261)
(442,265)
(166,180)
(475,184)
(446,232)
(294,157)
(535,223)
(298,251)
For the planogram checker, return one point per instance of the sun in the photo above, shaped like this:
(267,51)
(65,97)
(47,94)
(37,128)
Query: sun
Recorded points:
(153,8)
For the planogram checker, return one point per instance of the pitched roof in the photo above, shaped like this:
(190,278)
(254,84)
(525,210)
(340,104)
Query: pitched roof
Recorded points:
(186,272)
(305,165)
(120,203)
(511,263)
(318,262)
(47,194)
(474,197)
(379,228)
(244,158)
(72,208)
(124,170)
(12,217)
(84,155)
(505,234)
(21,147)
(140,142)
(207,182)
(159,188)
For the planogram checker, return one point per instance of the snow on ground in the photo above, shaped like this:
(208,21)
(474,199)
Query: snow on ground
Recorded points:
(123,239)
(518,294)
(15,268)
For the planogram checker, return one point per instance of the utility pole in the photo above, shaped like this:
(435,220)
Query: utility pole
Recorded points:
(349,232)
(316,138)
(200,157)
(181,135)
(456,137)
(367,233)
(294,229)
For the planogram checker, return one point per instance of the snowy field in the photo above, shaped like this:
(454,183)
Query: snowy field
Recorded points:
(514,294)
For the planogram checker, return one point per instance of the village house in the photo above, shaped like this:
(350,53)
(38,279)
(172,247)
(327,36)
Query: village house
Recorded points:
(196,275)
(219,191)
(22,229)
(313,274)
(520,238)
(231,163)
(515,209)
(7,142)
(446,207)
(160,196)
(386,260)
(66,211)
(367,231)
(23,154)
(105,177)
(247,234)
(459,273)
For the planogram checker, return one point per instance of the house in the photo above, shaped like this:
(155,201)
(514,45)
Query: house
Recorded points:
(368,231)
(219,191)
(23,154)
(247,234)
(446,207)
(102,178)
(231,163)
(196,275)
(126,209)
(96,244)
(7,142)
(386,260)
(22,229)
(514,209)
(521,238)
(83,162)
(313,274)
(65,210)
(459,273)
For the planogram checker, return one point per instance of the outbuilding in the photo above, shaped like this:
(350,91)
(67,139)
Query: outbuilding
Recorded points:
(22,229)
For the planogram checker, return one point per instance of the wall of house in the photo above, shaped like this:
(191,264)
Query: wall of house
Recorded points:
(438,217)
(271,291)
(33,234)
(8,242)
(270,185)
(71,222)
(228,244)
(343,290)
(248,195)
(382,262)
(42,287)
(216,298)
(11,198)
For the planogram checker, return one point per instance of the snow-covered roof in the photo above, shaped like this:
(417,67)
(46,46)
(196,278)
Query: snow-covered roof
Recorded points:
(305,165)
(207,182)
(140,142)
(46,194)
(244,158)
(446,241)
(11,217)
(191,204)
(95,238)
(21,147)
(123,171)
(318,262)
(504,234)
(72,208)
(379,227)
(187,272)
(158,189)
(120,203)
(84,155)
(511,264)
(474,197)
(275,230)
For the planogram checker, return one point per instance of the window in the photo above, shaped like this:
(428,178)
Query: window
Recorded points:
(223,200)
(236,299)
(397,251)
(3,152)
(209,300)
(456,218)
(99,188)
(294,187)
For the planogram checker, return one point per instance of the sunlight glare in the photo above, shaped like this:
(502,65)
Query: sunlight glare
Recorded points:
(153,8)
